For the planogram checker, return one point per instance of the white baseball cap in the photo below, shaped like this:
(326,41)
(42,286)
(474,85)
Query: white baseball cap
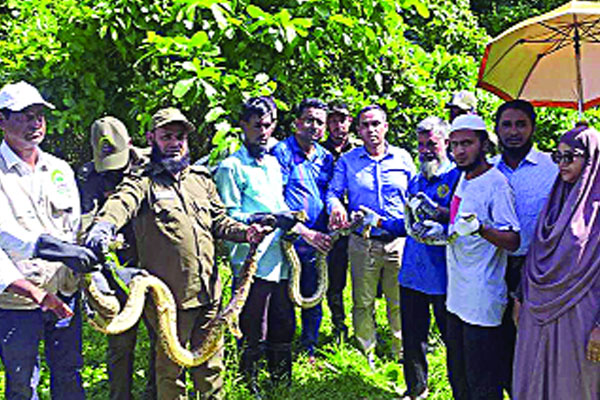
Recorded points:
(18,96)
(468,121)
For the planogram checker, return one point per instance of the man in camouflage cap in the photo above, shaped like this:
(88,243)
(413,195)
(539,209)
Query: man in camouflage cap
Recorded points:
(463,102)
(114,157)
(178,215)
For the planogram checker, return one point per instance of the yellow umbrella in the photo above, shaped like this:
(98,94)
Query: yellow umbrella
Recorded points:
(552,60)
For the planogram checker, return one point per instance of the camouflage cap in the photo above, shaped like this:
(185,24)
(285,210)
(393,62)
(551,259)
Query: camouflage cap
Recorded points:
(168,115)
(110,143)
(464,100)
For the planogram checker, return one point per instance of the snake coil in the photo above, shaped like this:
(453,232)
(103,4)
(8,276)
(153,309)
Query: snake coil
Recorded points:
(110,319)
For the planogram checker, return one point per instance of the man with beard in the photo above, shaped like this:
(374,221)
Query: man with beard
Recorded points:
(375,176)
(306,168)
(177,216)
(531,174)
(39,221)
(250,182)
(339,122)
(114,157)
(423,277)
(484,227)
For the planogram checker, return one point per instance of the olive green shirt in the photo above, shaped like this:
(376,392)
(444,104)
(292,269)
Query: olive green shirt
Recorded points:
(176,222)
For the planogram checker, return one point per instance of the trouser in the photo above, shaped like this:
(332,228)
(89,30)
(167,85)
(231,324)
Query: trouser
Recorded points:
(20,334)
(415,329)
(509,330)
(121,349)
(311,317)
(267,317)
(373,261)
(207,377)
(474,354)
(337,265)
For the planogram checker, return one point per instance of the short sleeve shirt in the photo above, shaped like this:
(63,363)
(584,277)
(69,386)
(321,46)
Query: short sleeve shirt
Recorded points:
(476,287)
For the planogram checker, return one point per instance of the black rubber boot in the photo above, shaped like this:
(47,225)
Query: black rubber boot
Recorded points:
(279,361)
(249,366)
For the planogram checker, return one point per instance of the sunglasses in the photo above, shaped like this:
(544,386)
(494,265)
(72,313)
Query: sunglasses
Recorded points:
(566,157)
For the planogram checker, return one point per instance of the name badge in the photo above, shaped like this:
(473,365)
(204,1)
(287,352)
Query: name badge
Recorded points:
(164,195)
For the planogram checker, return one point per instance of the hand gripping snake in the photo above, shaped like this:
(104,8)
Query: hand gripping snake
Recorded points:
(321,264)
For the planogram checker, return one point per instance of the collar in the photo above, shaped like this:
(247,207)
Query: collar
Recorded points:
(11,158)
(246,158)
(532,157)
(387,153)
(295,147)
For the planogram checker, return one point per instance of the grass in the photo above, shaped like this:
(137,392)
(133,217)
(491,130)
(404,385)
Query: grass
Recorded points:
(341,371)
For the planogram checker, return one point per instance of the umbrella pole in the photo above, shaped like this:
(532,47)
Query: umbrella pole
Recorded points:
(577,44)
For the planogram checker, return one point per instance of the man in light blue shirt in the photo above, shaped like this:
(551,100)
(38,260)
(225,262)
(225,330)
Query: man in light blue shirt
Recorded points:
(531,174)
(250,181)
(375,176)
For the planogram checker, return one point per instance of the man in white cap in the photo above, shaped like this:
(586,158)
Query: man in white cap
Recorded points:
(40,219)
(463,102)
(114,157)
(483,228)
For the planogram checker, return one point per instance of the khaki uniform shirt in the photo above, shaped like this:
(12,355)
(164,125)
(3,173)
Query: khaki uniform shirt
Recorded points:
(176,222)
(32,202)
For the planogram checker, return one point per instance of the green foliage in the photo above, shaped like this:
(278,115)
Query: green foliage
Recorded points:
(130,57)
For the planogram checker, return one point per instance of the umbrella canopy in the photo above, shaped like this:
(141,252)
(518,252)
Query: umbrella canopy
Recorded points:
(552,60)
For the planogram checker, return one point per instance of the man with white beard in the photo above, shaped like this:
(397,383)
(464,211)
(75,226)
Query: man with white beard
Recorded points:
(423,275)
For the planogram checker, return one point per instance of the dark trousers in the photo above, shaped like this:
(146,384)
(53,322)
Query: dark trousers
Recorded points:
(20,334)
(121,349)
(509,330)
(474,360)
(268,317)
(416,320)
(268,314)
(337,264)
(311,317)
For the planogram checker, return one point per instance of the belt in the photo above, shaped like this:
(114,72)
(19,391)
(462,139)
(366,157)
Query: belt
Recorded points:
(379,238)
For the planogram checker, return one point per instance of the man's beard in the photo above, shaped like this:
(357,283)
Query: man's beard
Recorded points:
(517,152)
(430,168)
(470,167)
(174,164)
(256,150)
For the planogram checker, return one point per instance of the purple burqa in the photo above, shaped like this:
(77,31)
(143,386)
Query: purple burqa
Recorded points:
(561,287)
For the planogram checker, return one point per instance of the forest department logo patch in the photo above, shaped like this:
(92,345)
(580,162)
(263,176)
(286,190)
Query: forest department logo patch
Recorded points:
(443,190)
(58,180)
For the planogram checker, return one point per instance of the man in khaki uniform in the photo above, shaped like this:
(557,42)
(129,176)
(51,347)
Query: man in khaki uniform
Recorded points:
(178,214)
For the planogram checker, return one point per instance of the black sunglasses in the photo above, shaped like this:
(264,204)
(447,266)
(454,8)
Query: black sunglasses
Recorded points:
(567,157)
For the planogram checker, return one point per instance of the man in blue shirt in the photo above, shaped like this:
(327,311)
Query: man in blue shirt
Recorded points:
(307,169)
(376,176)
(249,181)
(423,277)
(531,174)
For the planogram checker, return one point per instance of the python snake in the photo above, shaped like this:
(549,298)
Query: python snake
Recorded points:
(110,319)
(321,264)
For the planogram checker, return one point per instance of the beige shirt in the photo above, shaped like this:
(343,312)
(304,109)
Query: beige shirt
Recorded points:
(8,271)
(38,200)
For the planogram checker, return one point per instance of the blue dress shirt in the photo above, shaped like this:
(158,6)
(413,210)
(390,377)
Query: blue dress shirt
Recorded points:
(305,179)
(379,184)
(531,181)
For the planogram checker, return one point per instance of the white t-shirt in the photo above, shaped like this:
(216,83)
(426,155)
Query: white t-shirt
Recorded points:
(476,267)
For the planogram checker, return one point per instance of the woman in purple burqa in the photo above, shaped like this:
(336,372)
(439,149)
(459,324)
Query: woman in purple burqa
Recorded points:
(558,329)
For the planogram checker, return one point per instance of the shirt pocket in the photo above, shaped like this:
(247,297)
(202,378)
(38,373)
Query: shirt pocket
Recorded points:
(202,214)
(167,213)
